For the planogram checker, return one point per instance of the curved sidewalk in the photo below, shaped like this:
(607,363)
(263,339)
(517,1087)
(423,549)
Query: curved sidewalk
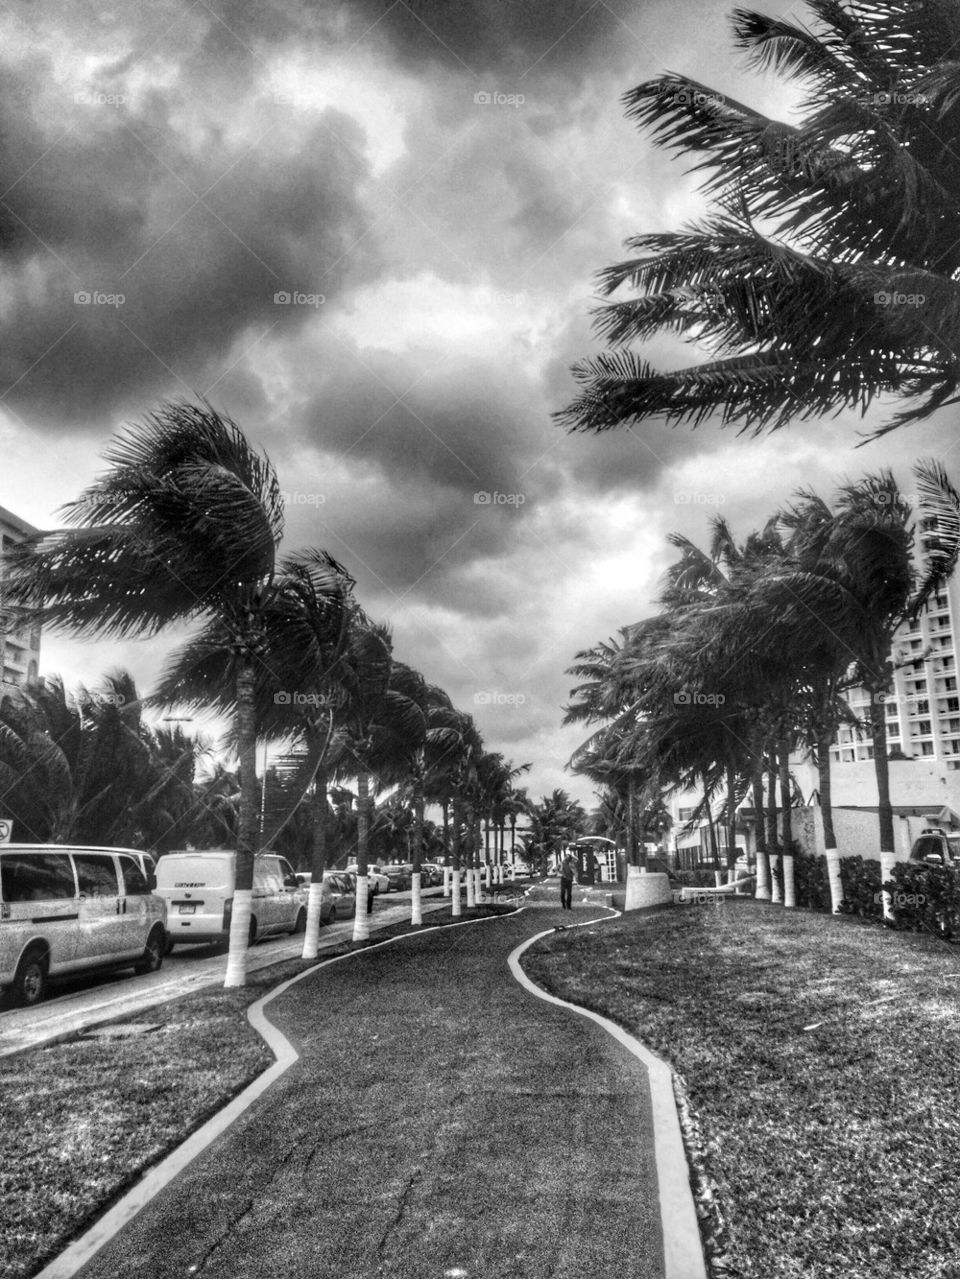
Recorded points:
(483,1133)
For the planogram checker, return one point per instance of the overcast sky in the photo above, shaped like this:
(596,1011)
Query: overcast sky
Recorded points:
(433,186)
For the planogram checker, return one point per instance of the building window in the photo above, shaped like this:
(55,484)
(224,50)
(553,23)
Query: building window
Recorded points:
(926,748)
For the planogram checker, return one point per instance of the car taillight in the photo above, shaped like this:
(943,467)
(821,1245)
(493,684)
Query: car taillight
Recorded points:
(227,912)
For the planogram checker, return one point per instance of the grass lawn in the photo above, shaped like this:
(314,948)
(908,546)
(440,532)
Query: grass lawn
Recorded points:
(80,1120)
(820,1063)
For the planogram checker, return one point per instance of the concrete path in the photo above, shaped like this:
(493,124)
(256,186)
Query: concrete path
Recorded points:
(560,1128)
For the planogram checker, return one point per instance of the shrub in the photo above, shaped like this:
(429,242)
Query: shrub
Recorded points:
(926,899)
(812,882)
(696,878)
(861,887)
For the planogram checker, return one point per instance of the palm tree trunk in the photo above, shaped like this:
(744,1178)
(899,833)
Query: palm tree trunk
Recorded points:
(471,879)
(455,909)
(416,902)
(447,871)
(714,849)
(763,866)
(786,811)
(825,776)
(731,822)
(631,832)
(318,813)
(881,765)
(240,918)
(361,921)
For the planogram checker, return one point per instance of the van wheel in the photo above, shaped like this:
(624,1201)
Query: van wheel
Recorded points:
(152,954)
(301,925)
(30,981)
(252,934)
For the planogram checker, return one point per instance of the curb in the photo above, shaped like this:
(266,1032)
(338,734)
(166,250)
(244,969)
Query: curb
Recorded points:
(76,1255)
(683,1256)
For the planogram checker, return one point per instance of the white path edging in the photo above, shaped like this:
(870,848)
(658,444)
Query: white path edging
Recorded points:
(76,1255)
(682,1249)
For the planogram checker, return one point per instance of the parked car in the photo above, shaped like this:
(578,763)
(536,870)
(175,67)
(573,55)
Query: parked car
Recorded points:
(936,848)
(377,881)
(199,888)
(431,875)
(67,909)
(399,876)
(340,891)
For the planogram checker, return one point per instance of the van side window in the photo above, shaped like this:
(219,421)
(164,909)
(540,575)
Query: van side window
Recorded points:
(134,883)
(36,877)
(96,873)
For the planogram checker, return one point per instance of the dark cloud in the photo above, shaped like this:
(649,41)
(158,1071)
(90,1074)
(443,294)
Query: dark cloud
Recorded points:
(485,35)
(196,235)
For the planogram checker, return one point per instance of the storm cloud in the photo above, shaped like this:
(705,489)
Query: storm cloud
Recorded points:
(370,233)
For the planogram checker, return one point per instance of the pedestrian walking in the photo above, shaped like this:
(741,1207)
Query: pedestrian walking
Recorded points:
(567,867)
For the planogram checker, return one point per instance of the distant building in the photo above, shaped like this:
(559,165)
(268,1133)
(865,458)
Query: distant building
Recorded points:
(922,712)
(19,644)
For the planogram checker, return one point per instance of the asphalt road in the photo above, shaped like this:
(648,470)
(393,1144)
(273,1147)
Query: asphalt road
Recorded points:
(94,998)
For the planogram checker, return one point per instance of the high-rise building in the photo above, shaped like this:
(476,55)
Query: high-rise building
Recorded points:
(923,709)
(19,642)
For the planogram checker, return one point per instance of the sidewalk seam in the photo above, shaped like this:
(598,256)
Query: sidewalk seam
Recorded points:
(683,1254)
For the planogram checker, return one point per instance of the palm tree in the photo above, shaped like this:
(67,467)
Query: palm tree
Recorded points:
(557,820)
(851,289)
(864,551)
(304,625)
(451,762)
(216,814)
(427,764)
(184,525)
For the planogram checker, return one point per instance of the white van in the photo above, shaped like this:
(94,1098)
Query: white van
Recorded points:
(198,888)
(67,909)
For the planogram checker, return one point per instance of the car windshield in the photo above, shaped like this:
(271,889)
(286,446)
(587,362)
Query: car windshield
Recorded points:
(929,846)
